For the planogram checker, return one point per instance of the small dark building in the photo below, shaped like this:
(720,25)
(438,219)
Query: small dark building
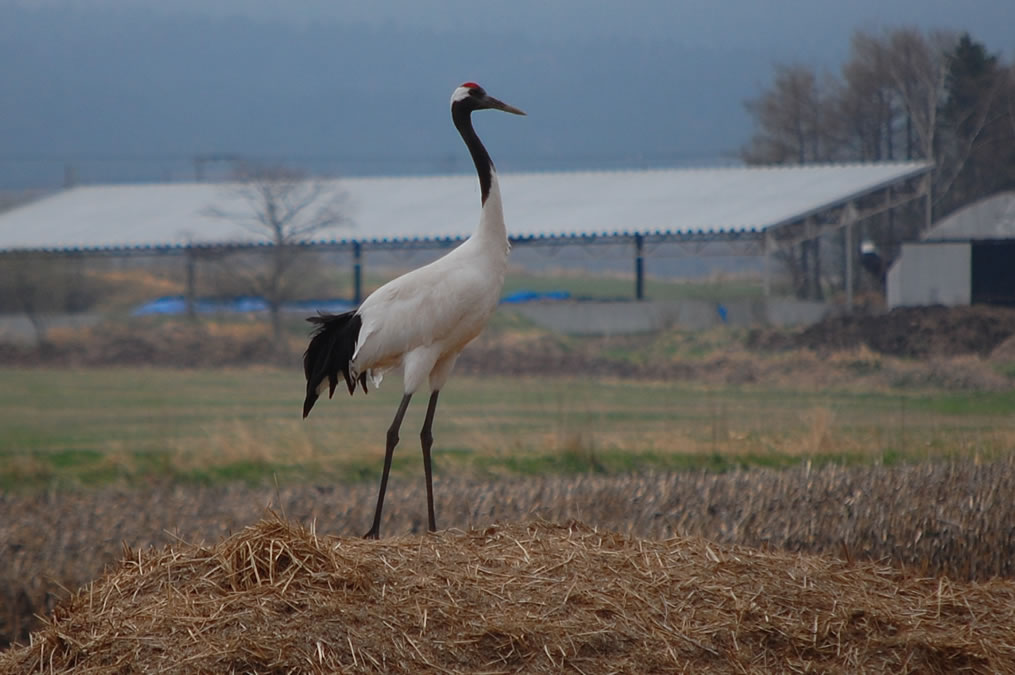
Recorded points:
(967,258)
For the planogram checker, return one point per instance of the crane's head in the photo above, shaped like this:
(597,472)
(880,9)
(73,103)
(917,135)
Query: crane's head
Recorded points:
(470,96)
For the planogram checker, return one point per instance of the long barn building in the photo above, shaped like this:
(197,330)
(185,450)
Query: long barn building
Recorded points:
(762,209)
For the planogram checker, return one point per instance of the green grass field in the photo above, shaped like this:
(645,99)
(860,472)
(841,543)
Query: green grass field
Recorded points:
(91,427)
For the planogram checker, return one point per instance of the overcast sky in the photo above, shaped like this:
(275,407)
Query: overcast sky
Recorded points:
(752,23)
(133,89)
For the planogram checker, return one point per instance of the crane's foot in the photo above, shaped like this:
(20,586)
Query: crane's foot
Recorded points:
(374,533)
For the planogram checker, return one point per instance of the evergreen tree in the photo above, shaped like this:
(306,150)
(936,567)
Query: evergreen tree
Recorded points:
(978,134)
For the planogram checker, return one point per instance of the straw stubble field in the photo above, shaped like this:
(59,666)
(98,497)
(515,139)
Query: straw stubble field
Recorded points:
(891,590)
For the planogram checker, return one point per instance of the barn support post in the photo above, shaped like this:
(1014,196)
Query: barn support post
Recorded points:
(639,267)
(889,198)
(357,272)
(766,278)
(810,261)
(849,218)
(191,290)
(817,292)
(849,266)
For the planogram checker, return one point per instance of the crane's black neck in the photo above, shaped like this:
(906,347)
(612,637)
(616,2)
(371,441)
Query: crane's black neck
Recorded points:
(461,113)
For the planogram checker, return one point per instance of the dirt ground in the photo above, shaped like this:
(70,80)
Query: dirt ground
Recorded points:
(951,348)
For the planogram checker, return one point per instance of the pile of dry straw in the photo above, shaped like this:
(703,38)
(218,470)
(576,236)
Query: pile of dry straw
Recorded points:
(536,597)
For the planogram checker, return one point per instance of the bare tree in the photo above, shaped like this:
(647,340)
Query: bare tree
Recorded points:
(976,136)
(909,68)
(31,293)
(1009,102)
(285,207)
(790,117)
(40,286)
(867,105)
(917,65)
(935,96)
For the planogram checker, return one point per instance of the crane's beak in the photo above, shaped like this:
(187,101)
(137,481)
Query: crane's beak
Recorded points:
(491,102)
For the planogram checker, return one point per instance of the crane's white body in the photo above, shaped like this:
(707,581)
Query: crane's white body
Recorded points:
(422,320)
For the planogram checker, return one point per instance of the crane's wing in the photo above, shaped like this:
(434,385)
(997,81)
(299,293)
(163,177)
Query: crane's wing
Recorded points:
(446,302)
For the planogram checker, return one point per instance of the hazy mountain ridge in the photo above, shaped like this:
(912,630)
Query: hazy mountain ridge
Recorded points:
(103,87)
(125,91)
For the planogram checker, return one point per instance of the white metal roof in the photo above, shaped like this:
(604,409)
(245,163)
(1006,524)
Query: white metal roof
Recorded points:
(414,208)
(990,218)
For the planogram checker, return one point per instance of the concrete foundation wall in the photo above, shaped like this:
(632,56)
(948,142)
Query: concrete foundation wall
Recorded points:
(619,318)
(17,329)
(929,273)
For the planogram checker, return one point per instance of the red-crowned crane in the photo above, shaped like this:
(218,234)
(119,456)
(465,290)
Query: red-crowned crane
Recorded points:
(422,320)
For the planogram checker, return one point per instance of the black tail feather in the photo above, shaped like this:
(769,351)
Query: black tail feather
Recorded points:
(330,353)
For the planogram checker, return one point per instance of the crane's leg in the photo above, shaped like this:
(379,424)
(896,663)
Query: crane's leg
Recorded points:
(426,436)
(389,451)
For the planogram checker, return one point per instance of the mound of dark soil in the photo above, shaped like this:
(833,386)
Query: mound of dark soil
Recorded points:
(172,345)
(936,336)
(912,332)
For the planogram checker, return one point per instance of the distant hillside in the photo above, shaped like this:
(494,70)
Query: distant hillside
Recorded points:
(125,90)
(134,95)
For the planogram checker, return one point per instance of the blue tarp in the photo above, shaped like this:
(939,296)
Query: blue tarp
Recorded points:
(329,305)
(171,305)
(177,304)
(532,296)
